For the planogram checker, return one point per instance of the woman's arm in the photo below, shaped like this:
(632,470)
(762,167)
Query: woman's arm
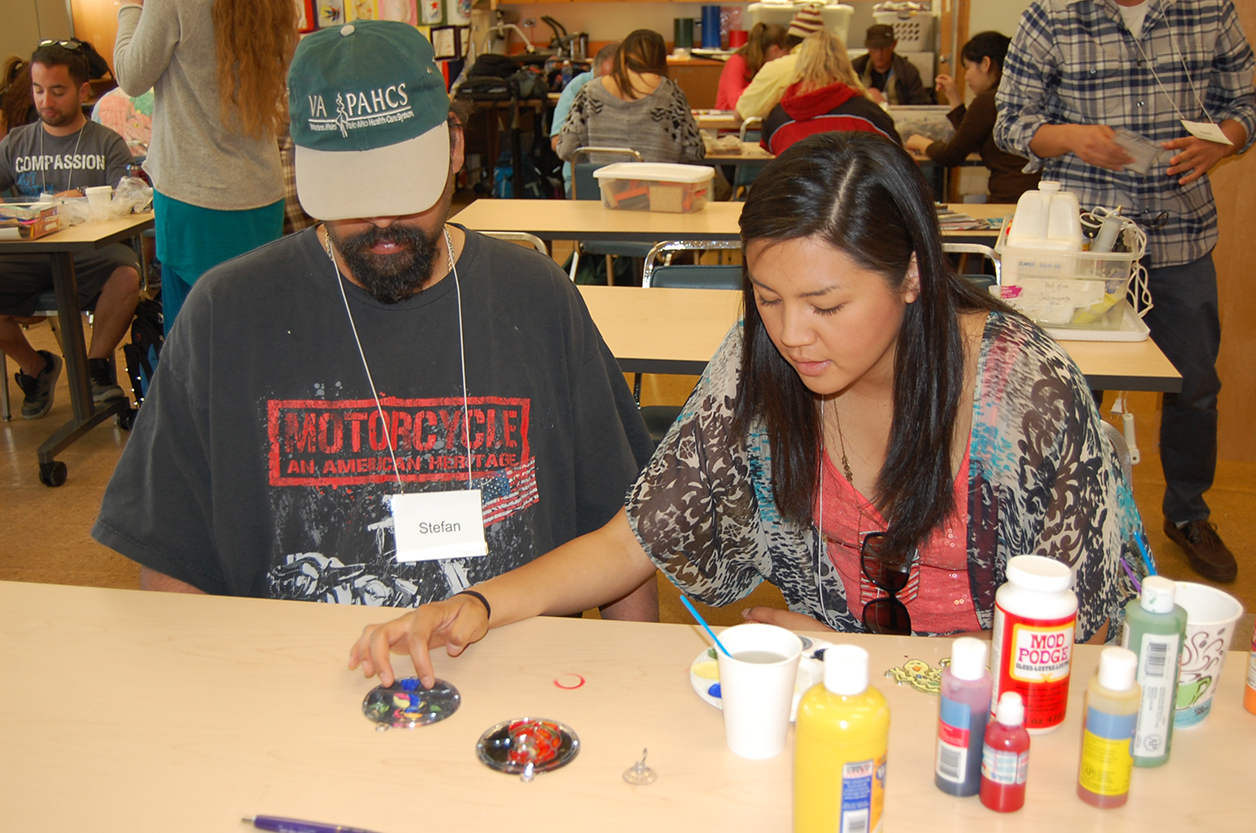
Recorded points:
(975,127)
(575,132)
(691,147)
(591,570)
(147,36)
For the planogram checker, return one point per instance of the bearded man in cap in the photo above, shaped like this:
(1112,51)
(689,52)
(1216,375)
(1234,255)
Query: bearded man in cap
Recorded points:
(385,408)
(889,77)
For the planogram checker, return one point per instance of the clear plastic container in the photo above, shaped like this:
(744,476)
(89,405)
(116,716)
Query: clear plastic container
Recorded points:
(1047,276)
(655,186)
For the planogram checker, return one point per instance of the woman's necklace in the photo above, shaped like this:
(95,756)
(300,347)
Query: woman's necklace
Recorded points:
(842,442)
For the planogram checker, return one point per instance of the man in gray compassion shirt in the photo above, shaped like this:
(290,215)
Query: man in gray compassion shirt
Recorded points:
(63,153)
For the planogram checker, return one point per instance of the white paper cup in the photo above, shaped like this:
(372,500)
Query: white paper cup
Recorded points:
(1210,619)
(98,199)
(757,695)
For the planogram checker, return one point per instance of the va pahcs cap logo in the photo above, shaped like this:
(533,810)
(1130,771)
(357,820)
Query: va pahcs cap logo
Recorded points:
(368,112)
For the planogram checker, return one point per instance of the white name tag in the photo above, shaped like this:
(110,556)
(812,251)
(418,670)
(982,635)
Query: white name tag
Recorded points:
(1207,131)
(429,526)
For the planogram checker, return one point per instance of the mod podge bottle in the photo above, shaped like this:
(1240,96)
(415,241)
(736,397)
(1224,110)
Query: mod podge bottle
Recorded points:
(1155,629)
(1112,697)
(1032,643)
(840,747)
(1249,692)
(963,707)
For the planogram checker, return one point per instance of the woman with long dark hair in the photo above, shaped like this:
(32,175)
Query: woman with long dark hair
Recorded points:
(974,124)
(876,439)
(765,42)
(218,70)
(636,106)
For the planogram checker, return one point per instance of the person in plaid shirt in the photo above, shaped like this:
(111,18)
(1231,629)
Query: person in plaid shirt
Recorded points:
(1079,71)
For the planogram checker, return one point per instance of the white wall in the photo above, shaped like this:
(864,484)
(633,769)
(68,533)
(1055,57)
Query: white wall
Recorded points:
(997,15)
(24,23)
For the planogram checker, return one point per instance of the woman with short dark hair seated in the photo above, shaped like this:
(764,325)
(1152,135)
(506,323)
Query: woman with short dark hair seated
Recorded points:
(826,96)
(974,125)
(636,106)
(876,438)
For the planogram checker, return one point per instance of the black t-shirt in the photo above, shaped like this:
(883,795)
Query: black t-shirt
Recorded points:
(259,466)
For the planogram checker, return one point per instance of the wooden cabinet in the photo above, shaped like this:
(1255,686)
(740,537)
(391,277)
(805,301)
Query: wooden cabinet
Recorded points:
(698,79)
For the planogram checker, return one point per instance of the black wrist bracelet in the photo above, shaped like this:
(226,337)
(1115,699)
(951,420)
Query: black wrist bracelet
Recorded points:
(488,608)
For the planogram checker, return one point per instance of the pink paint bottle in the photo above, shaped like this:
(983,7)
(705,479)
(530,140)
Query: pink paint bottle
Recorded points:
(1032,643)
(1005,757)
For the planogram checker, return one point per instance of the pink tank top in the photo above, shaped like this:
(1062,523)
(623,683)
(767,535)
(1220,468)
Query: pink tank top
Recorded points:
(937,594)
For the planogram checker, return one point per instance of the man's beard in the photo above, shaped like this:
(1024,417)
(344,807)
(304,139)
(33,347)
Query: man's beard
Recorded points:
(393,278)
(59,119)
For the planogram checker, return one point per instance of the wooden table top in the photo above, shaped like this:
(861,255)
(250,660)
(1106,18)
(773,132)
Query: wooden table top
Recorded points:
(589,220)
(130,711)
(678,330)
(83,238)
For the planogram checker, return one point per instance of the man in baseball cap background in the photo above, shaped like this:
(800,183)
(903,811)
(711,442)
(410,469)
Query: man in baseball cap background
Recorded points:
(318,383)
(890,78)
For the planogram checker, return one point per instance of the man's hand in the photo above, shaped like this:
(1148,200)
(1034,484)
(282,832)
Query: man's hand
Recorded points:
(1096,145)
(876,95)
(1195,155)
(454,623)
(786,619)
(917,144)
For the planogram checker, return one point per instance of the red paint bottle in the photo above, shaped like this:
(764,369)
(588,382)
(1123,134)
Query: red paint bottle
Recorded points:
(1005,756)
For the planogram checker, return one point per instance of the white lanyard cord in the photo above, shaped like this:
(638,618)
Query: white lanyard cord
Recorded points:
(365,366)
(1189,81)
(44,171)
(462,354)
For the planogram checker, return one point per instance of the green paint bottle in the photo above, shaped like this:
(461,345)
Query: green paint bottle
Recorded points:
(1154,630)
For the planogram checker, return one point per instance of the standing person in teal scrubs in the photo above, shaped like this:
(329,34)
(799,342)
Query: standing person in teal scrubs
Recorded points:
(217,71)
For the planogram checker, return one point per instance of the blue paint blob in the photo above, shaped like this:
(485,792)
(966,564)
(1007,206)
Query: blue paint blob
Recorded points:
(408,684)
(714,690)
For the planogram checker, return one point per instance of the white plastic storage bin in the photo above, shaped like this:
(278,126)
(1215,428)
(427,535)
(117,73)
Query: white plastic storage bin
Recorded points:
(912,30)
(836,16)
(655,186)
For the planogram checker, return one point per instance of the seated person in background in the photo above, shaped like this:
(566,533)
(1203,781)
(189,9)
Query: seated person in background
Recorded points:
(765,43)
(401,355)
(603,63)
(825,96)
(16,106)
(62,154)
(873,414)
(765,91)
(974,125)
(636,106)
(890,78)
(131,117)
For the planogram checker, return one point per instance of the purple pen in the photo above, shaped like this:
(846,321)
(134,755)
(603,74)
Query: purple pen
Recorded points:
(282,825)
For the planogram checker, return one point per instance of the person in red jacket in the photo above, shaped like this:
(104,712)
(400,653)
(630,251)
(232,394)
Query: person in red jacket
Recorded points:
(766,42)
(825,96)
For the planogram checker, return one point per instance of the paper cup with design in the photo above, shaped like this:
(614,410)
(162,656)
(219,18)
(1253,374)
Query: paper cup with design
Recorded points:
(1210,619)
(757,687)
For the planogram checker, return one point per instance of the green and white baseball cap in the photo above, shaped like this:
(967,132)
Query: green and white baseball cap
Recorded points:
(368,113)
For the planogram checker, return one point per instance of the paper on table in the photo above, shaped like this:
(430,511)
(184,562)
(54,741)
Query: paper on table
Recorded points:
(1207,131)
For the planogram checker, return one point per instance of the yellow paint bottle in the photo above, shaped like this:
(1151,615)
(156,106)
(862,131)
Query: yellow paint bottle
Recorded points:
(842,733)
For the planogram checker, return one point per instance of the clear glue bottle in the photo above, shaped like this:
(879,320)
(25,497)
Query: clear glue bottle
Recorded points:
(962,712)
(840,747)
(1103,778)
(1005,756)
(1154,630)
(1032,643)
